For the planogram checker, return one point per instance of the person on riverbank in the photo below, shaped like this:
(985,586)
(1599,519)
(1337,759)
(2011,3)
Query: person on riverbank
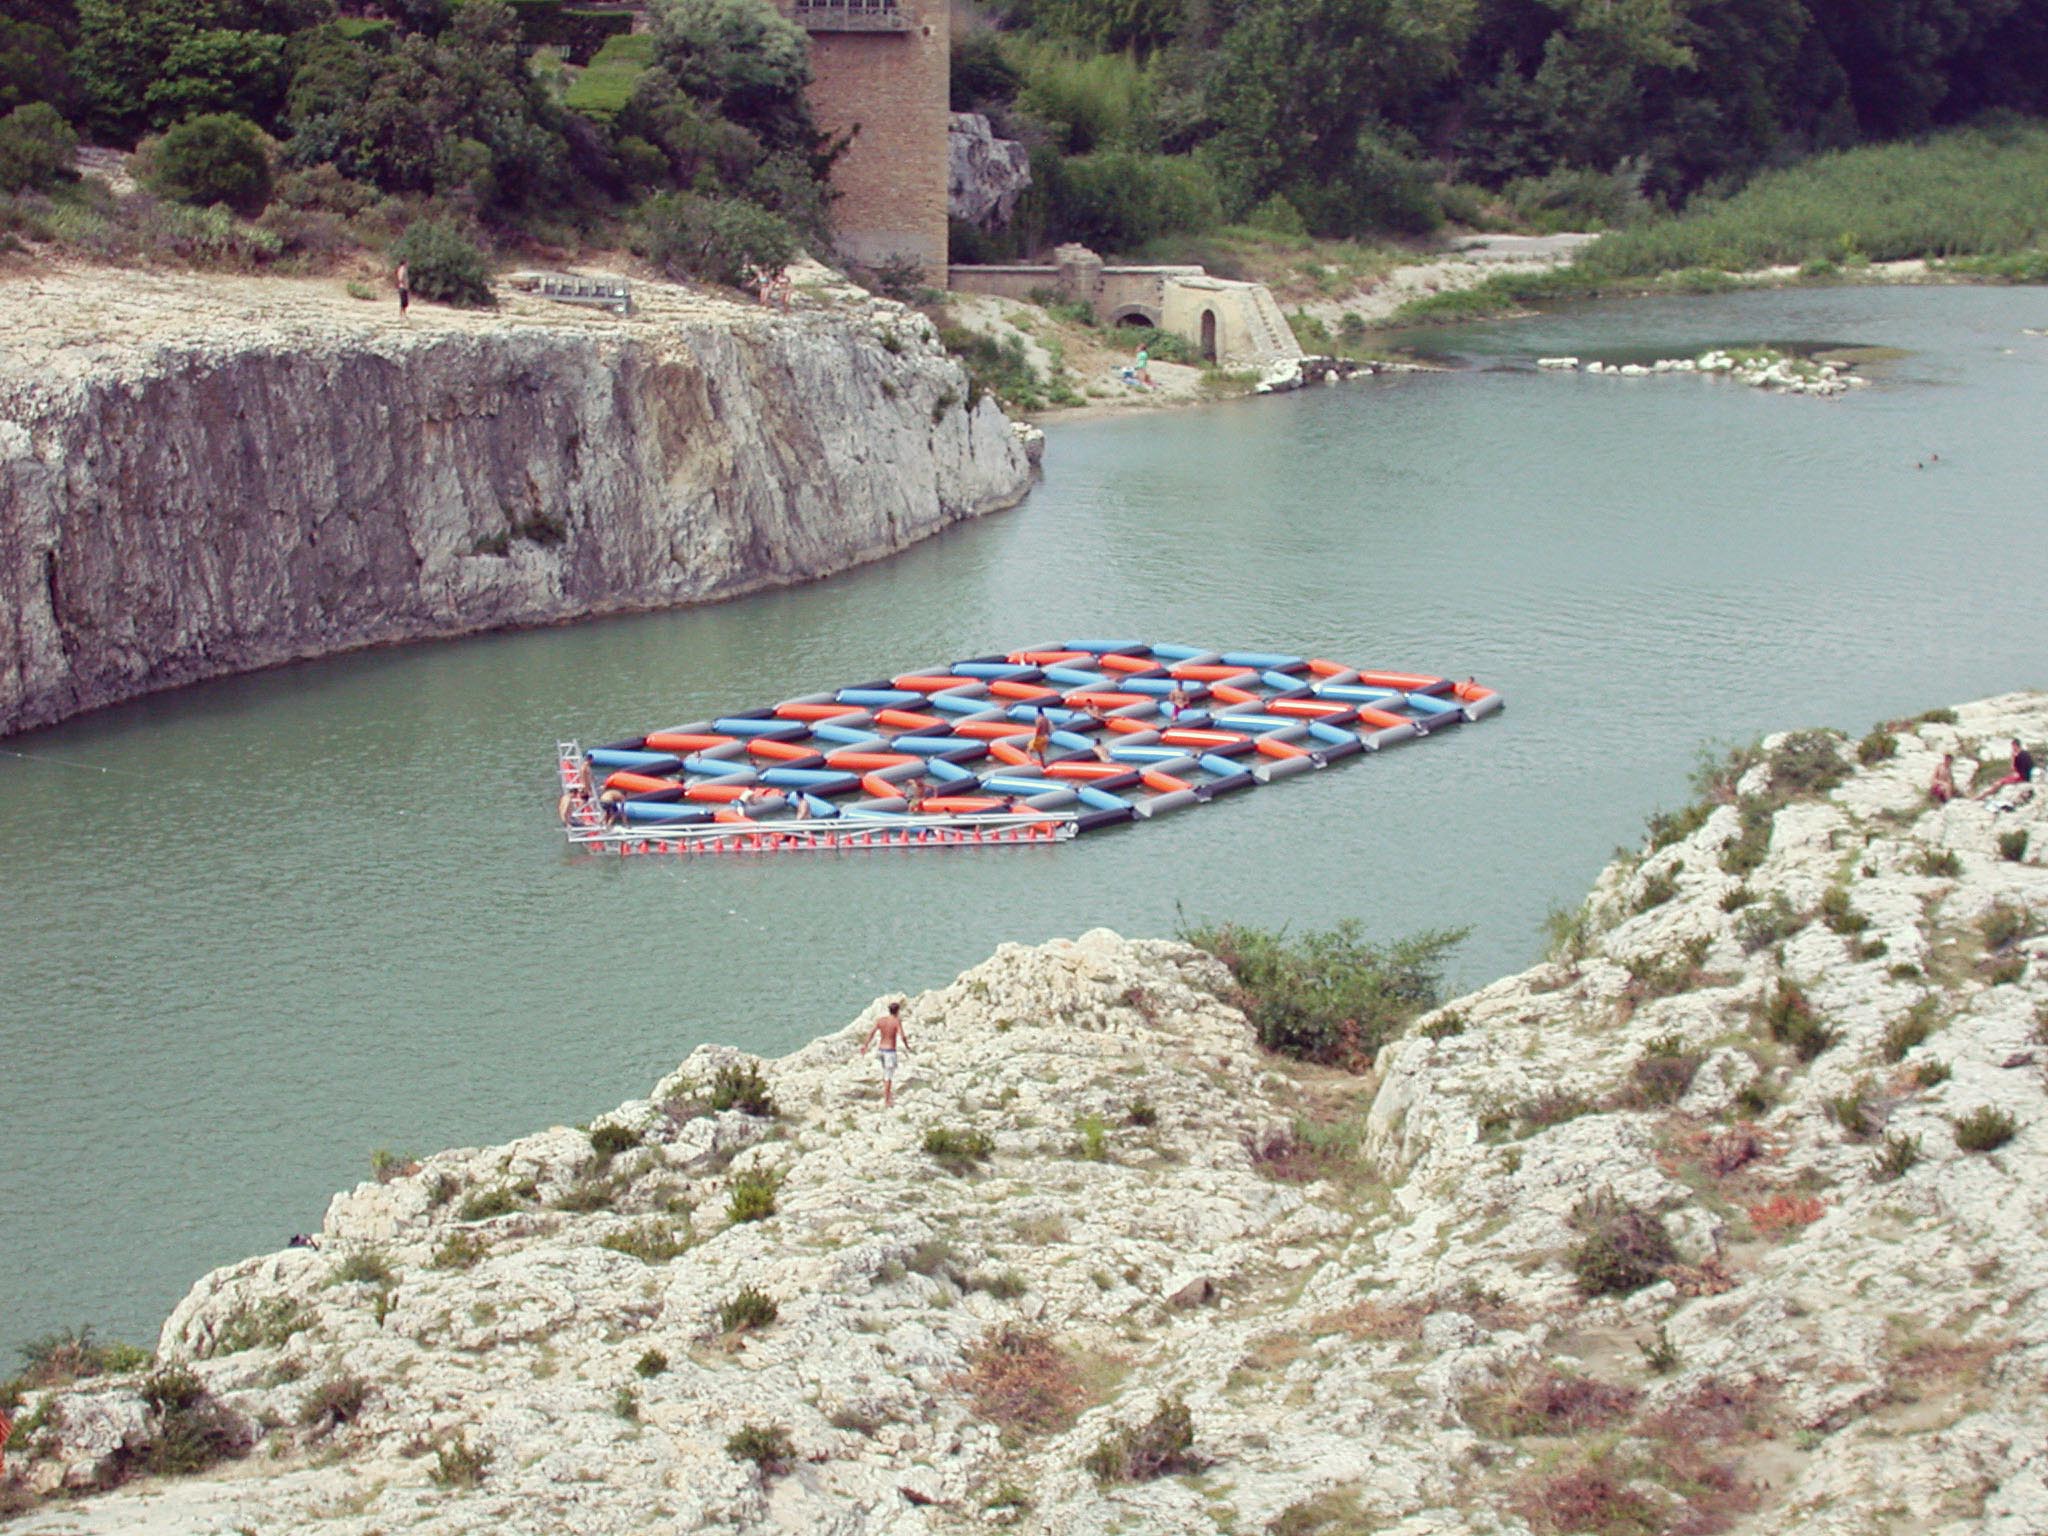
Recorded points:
(2022,770)
(403,277)
(1943,789)
(889,1030)
(1143,366)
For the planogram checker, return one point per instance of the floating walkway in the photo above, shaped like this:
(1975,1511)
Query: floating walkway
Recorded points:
(1033,747)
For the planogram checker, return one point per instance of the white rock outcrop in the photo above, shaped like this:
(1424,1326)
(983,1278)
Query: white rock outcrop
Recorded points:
(985,175)
(1733,1217)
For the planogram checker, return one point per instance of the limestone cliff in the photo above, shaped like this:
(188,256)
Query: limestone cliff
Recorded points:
(1730,1218)
(200,477)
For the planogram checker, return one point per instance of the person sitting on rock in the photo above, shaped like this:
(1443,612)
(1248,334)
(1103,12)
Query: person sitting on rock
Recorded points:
(1943,789)
(2022,770)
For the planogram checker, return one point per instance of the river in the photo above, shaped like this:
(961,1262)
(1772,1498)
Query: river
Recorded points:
(275,922)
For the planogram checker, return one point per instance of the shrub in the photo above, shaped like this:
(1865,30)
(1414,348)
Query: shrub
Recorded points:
(460,1250)
(1907,1031)
(1838,914)
(1984,1129)
(1141,1114)
(747,1309)
(1939,863)
(958,1151)
(2012,846)
(1879,746)
(486,1203)
(386,1165)
(366,1266)
(1620,1248)
(743,1088)
(1751,843)
(1022,1381)
(458,1464)
(1658,887)
(752,1196)
(193,1431)
(721,239)
(1162,1446)
(1851,1111)
(767,1446)
(36,146)
(1116,200)
(215,158)
(1790,1018)
(1003,1285)
(1932,1074)
(608,1141)
(1542,1401)
(445,265)
(1891,1161)
(1668,827)
(650,1364)
(651,1242)
(587,1195)
(337,1400)
(72,1354)
(266,1324)
(1447,1025)
(1092,1145)
(1664,1073)
(2002,926)
(1329,997)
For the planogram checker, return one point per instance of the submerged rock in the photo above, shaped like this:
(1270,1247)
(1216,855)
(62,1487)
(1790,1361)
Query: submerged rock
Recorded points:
(1684,1227)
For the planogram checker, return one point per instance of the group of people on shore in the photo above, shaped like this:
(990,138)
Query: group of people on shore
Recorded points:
(1943,788)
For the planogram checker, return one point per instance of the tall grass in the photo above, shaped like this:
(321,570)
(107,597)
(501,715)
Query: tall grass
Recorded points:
(1973,192)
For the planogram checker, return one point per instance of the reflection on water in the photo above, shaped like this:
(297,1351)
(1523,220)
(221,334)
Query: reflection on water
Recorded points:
(324,910)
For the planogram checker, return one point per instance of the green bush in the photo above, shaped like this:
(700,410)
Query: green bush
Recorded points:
(484,1204)
(1877,747)
(767,1446)
(608,1141)
(720,239)
(266,1324)
(1939,863)
(747,1309)
(752,1196)
(460,1250)
(1574,198)
(2012,846)
(458,1464)
(1331,996)
(651,1242)
(2004,925)
(366,1266)
(1117,199)
(1899,1153)
(1163,1446)
(36,146)
(742,1087)
(1984,1129)
(1790,1018)
(650,1364)
(958,1150)
(193,1430)
(1620,1248)
(217,158)
(72,1354)
(1837,912)
(1909,1030)
(337,1400)
(445,265)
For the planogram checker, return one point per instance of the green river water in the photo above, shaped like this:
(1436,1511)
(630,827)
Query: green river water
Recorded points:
(310,913)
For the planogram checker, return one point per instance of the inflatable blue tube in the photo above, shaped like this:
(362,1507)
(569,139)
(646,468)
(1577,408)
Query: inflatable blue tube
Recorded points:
(959,702)
(821,810)
(1263,659)
(1184,653)
(1018,784)
(1279,680)
(1074,741)
(771,730)
(923,746)
(949,773)
(878,698)
(638,762)
(1123,754)
(1075,677)
(848,735)
(825,781)
(1108,647)
(887,810)
(1423,704)
(992,670)
(1260,725)
(1097,798)
(1159,687)
(1325,731)
(1358,693)
(643,814)
(718,767)
(1222,767)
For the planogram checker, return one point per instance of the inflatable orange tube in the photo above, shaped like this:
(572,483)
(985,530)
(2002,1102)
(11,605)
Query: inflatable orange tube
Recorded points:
(988,730)
(880,787)
(1319,668)
(929,684)
(1279,748)
(781,751)
(1048,658)
(1129,725)
(1383,718)
(1113,663)
(637,783)
(1401,680)
(1185,737)
(1006,688)
(1084,769)
(684,741)
(740,816)
(1307,709)
(1165,783)
(1189,671)
(1230,695)
(814,711)
(1471,693)
(1007,751)
(867,762)
(960,804)
(716,794)
(1081,698)
(909,720)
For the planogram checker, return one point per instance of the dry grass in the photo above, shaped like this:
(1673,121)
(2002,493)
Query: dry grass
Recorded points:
(1019,1379)
(1782,1213)
(1541,1400)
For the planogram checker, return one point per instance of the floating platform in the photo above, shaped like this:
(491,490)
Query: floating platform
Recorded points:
(1031,747)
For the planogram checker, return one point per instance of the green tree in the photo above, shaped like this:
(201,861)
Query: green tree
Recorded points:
(444,264)
(34,66)
(217,158)
(141,64)
(744,60)
(36,146)
(720,238)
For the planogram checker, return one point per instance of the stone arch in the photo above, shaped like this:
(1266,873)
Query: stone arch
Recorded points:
(1209,335)
(1135,314)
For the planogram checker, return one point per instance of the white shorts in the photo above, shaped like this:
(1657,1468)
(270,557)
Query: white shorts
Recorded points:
(889,1065)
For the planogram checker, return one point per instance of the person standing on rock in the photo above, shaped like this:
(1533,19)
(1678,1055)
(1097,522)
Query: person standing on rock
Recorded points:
(889,1030)
(404,280)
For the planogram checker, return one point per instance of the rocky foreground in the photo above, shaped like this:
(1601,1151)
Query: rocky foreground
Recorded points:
(1733,1216)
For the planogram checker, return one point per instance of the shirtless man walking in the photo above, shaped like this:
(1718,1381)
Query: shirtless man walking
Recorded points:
(889,1029)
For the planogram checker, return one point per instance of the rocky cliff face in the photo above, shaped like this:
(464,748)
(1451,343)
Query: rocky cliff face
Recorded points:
(243,477)
(985,175)
(1729,1219)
